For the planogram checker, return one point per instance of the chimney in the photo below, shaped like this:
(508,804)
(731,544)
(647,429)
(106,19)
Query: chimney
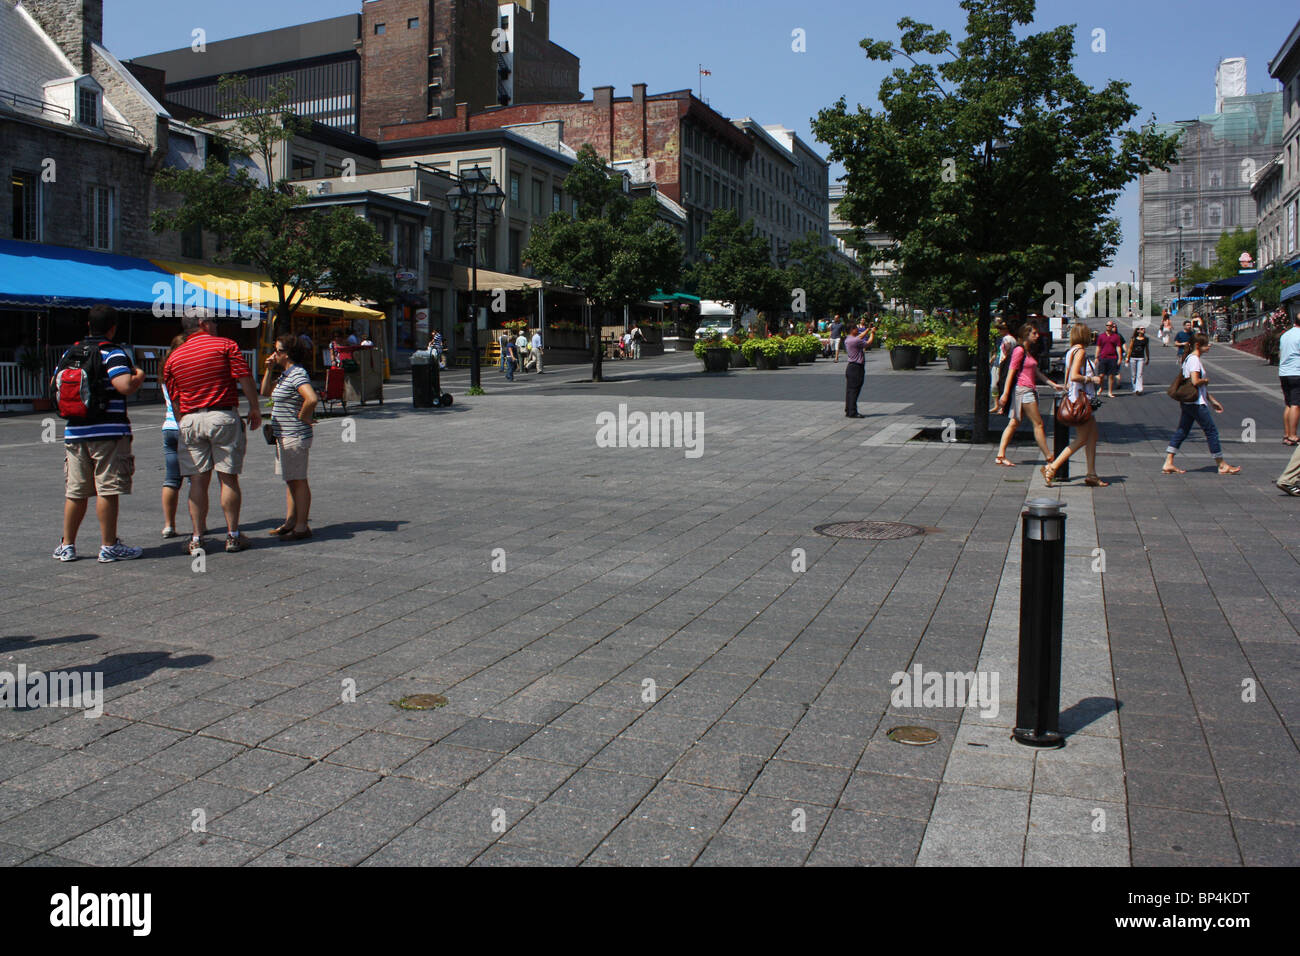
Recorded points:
(72,24)
(462,114)
(638,144)
(602,104)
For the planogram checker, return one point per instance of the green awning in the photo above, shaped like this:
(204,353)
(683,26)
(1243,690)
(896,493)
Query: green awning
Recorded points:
(661,296)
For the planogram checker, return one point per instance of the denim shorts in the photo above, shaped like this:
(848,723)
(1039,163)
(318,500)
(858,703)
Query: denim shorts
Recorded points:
(170,437)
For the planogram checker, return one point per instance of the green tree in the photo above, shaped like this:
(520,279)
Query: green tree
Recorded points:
(997,168)
(615,252)
(735,266)
(1227,255)
(334,254)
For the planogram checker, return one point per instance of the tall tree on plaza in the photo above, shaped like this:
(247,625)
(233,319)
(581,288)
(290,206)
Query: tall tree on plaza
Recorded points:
(995,168)
(735,266)
(333,254)
(614,252)
(1227,256)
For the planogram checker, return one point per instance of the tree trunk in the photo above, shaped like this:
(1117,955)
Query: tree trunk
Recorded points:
(596,353)
(983,377)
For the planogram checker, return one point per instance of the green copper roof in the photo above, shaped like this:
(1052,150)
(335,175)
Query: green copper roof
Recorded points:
(1254,120)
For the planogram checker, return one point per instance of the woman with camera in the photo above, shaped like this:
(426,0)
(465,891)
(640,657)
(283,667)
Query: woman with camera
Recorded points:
(1080,379)
(293,405)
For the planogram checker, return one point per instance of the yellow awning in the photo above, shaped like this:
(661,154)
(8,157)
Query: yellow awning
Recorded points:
(493,280)
(256,290)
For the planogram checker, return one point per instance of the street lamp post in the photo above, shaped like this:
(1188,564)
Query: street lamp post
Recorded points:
(1178,266)
(477,189)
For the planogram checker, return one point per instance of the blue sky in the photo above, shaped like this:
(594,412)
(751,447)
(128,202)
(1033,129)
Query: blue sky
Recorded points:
(1166,51)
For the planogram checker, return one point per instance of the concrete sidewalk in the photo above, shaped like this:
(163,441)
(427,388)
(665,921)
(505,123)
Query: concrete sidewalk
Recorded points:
(651,658)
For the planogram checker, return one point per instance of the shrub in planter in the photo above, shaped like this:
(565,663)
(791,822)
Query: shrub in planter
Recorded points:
(903,357)
(764,354)
(714,352)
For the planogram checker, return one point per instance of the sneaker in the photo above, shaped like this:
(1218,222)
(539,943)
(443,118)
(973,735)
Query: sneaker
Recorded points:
(1293,490)
(169,532)
(118,552)
(65,552)
(193,546)
(236,544)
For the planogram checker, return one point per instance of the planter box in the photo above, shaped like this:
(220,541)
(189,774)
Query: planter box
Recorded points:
(717,360)
(904,357)
(959,358)
(738,359)
(766,363)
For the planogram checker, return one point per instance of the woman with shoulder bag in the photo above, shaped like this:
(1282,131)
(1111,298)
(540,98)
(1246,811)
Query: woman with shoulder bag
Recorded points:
(1197,409)
(1022,382)
(1082,387)
(293,405)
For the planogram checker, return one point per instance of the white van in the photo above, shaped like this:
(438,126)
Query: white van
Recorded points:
(720,318)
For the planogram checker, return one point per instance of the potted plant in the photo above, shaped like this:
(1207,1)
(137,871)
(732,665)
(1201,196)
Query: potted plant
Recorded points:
(738,356)
(764,353)
(961,348)
(714,352)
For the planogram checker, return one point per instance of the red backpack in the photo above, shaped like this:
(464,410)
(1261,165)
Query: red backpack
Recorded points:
(78,383)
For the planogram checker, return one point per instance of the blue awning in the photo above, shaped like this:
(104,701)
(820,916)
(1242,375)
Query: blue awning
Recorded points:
(1229,284)
(38,276)
(1291,292)
(1244,292)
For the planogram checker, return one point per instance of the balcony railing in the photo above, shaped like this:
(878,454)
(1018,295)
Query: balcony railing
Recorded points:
(30,105)
(123,129)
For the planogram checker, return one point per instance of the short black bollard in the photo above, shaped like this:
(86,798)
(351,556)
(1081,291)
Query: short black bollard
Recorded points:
(1060,442)
(1042,600)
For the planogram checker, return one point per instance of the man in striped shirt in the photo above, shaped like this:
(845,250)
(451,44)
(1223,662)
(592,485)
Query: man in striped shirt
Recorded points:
(201,377)
(97,453)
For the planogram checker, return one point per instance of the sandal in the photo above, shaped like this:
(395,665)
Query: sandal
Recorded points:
(282,530)
(1291,441)
(1230,470)
(1092,481)
(1003,462)
(1049,475)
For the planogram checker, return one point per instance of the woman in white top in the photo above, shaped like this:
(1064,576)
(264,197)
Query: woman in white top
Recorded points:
(1078,377)
(1198,411)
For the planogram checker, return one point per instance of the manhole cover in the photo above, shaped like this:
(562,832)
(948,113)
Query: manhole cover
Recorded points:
(869,530)
(421,702)
(915,736)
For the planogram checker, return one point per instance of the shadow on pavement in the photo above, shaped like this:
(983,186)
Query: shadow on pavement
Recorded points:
(1087,711)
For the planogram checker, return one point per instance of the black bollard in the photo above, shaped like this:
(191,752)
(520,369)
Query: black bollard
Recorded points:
(1042,601)
(1060,442)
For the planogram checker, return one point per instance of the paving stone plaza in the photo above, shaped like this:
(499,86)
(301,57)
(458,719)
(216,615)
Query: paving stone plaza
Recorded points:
(650,657)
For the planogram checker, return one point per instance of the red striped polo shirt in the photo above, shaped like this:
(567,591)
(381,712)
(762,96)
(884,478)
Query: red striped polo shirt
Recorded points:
(202,372)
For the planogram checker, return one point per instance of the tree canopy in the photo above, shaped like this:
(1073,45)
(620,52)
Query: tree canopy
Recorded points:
(304,252)
(615,252)
(996,168)
(735,266)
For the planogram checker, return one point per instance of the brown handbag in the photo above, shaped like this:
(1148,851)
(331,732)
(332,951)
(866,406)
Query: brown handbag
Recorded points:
(1182,389)
(1074,411)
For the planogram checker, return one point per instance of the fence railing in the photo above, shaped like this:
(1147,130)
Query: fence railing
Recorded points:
(31,105)
(19,385)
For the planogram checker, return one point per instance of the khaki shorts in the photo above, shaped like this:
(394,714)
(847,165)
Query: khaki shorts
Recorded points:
(291,458)
(99,467)
(211,439)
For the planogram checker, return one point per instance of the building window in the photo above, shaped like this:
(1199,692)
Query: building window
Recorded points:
(435,234)
(516,246)
(575,208)
(537,197)
(303,167)
(1214,215)
(380,29)
(192,242)
(1186,179)
(408,249)
(1216,178)
(332,169)
(384,226)
(88,106)
(557,200)
(413,23)
(1186,217)
(101,218)
(26,194)
(514,188)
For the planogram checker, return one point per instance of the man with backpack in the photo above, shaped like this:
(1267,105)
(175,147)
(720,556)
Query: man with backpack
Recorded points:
(90,385)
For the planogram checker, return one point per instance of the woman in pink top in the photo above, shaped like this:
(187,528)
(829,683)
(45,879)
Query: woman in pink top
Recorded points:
(1023,376)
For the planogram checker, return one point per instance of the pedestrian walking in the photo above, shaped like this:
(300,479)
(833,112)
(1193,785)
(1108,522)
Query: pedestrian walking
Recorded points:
(1006,344)
(1138,354)
(512,357)
(637,338)
(204,377)
(1288,371)
(97,457)
(535,350)
(293,404)
(502,342)
(1166,328)
(1023,378)
(1198,411)
(1181,340)
(855,346)
(171,489)
(1080,379)
(521,349)
(837,332)
(1110,346)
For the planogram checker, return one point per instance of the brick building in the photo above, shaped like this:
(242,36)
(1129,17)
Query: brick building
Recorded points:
(697,158)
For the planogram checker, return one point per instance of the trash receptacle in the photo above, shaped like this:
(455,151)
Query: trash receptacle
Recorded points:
(424,380)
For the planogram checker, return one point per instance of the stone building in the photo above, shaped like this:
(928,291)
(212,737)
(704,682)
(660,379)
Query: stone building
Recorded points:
(1277,186)
(1208,190)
